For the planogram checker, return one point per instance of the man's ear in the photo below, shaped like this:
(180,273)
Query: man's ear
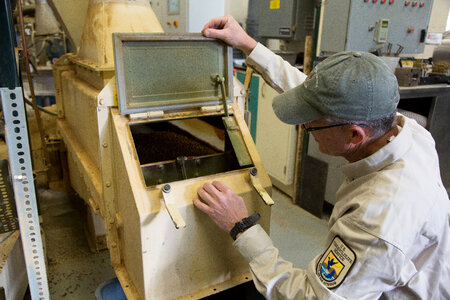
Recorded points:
(357,134)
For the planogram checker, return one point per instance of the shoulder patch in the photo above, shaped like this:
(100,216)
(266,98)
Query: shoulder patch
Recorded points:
(335,263)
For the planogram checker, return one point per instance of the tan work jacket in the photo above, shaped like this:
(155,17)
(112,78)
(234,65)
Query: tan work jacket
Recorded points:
(389,235)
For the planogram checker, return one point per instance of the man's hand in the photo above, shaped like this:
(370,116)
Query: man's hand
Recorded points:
(228,29)
(222,204)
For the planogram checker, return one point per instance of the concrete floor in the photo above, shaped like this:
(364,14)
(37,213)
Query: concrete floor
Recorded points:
(298,235)
(74,272)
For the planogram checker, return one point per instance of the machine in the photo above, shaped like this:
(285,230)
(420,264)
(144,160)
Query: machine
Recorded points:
(287,19)
(363,25)
(144,128)
(350,25)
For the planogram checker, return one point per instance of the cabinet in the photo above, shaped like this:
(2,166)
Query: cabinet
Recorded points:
(276,141)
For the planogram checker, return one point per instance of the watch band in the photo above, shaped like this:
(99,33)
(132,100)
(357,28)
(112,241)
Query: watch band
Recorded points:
(244,224)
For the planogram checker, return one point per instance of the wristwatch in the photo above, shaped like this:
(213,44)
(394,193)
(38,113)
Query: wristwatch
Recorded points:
(244,224)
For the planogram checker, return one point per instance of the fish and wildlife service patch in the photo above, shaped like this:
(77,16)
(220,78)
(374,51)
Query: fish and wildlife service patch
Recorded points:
(335,263)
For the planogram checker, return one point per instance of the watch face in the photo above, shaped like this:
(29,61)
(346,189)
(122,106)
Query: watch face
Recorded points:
(174,7)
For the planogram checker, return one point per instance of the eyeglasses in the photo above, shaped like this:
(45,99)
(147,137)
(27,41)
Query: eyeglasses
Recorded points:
(309,129)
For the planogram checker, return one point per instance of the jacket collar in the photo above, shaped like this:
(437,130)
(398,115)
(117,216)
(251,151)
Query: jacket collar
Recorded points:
(387,155)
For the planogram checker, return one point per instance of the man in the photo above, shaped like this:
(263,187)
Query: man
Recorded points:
(389,234)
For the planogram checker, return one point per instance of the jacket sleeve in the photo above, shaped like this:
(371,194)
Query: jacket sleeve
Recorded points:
(377,267)
(277,72)
(274,277)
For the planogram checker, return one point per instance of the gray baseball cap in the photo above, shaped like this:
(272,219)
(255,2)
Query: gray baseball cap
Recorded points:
(349,85)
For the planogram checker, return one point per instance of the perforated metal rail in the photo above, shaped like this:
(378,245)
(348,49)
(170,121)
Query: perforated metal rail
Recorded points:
(16,133)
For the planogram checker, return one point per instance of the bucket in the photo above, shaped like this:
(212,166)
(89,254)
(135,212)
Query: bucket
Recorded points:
(110,290)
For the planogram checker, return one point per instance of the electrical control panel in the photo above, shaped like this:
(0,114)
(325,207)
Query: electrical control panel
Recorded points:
(181,16)
(363,25)
(286,19)
(172,14)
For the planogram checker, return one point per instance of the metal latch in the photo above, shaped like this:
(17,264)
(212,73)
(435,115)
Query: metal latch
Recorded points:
(220,81)
(259,188)
(172,209)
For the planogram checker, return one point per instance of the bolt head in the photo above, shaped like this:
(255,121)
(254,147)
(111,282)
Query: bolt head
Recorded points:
(166,188)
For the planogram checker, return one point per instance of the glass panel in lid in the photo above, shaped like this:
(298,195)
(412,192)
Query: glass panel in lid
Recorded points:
(164,72)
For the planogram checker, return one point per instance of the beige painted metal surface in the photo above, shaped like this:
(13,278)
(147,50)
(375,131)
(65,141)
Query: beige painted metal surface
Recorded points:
(105,17)
(73,14)
(79,80)
(163,262)
(45,20)
(151,257)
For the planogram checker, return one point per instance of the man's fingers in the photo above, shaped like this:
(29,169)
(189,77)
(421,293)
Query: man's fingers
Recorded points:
(205,195)
(220,186)
(212,191)
(215,33)
(216,23)
(202,206)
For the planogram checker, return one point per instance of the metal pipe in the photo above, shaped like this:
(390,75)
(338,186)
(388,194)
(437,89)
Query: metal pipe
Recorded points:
(30,103)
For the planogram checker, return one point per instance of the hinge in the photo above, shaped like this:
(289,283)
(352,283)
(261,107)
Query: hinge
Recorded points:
(212,108)
(147,115)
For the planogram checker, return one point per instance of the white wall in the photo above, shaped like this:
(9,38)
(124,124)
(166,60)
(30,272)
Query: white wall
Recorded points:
(197,16)
(448,22)
(439,15)
(238,9)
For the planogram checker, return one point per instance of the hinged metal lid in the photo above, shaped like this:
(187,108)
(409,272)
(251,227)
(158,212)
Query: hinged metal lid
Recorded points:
(167,72)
